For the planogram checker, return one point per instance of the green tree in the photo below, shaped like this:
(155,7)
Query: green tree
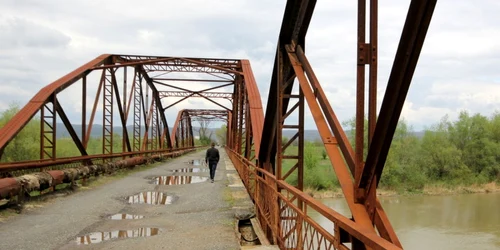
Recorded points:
(401,169)
(26,144)
(493,171)
(351,134)
(473,137)
(439,157)
(221,134)
(284,140)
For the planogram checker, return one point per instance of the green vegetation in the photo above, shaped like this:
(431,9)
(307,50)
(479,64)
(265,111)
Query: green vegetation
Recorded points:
(318,172)
(449,154)
(221,134)
(203,141)
(26,145)
(456,153)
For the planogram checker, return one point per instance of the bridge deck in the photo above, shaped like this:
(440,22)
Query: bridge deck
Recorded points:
(201,217)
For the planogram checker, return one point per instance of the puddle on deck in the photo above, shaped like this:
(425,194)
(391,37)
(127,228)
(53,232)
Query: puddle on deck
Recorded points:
(190,170)
(126,217)
(151,198)
(178,180)
(196,162)
(98,237)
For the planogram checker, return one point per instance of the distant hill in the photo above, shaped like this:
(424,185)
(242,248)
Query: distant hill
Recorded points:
(313,135)
(62,132)
(309,134)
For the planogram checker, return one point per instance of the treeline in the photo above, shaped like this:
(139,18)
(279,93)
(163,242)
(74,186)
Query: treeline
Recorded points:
(461,152)
(26,145)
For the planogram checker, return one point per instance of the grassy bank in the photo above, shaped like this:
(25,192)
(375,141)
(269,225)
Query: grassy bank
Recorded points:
(432,189)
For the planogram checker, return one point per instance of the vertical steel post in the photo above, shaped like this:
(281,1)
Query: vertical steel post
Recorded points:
(137,111)
(301,143)
(48,130)
(241,107)
(372,106)
(107,126)
(124,105)
(94,109)
(154,126)
(360,89)
(234,126)
(84,107)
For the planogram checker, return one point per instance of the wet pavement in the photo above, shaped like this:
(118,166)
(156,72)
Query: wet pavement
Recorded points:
(151,198)
(98,237)
(178,180)
(191,170)
(125,217)
(122,214)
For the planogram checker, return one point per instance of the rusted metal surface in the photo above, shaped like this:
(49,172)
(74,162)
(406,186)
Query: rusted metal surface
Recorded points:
(225,95)
(182,132)
(295,229)
(141,100)
(405,62)
(330,116)
(254,141)
(10,130)
(57,177)
(9,187)
(357,179)
(363,55)
(294,27)
(334,154)
(254,105)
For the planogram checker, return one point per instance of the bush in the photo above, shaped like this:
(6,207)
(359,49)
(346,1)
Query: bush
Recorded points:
(310,159)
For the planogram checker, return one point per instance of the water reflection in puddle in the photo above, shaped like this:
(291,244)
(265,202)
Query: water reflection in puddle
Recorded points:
(152,198)
(126,217)
(98,237)
(195,162)
(178,180)
(190,170)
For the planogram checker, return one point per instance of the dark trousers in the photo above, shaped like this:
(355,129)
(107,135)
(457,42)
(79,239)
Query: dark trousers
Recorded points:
(213,166)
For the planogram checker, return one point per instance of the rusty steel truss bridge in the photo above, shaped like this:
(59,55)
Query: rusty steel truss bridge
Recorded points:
(130,90)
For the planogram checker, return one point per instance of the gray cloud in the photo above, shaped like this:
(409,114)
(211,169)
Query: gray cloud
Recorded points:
(20,33)
(43,40)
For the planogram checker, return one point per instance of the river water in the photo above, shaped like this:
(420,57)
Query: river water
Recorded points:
(469,221)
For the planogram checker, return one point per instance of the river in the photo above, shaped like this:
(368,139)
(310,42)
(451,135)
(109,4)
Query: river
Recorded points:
(469,221)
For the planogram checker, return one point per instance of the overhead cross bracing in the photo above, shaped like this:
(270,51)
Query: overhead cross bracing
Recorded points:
(133,92)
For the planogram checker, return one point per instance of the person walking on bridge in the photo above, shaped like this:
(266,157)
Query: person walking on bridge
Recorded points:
(212,158)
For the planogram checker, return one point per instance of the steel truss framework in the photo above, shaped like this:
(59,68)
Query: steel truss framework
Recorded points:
(182,132)
(254,141)
(129,94)
(281,208)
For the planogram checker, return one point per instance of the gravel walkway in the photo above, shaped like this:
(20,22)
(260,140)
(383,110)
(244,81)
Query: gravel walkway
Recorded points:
(200,217)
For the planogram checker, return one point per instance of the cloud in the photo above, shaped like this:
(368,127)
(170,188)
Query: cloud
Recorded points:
(19,33)
(44,40)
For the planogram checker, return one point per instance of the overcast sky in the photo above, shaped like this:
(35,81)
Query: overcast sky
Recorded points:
(41,41)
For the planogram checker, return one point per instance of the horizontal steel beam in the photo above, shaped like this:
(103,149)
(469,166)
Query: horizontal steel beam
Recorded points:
(4,167)
(189,80)
(226,95)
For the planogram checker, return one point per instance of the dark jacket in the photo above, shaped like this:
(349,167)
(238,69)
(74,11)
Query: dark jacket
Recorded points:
(212,155)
